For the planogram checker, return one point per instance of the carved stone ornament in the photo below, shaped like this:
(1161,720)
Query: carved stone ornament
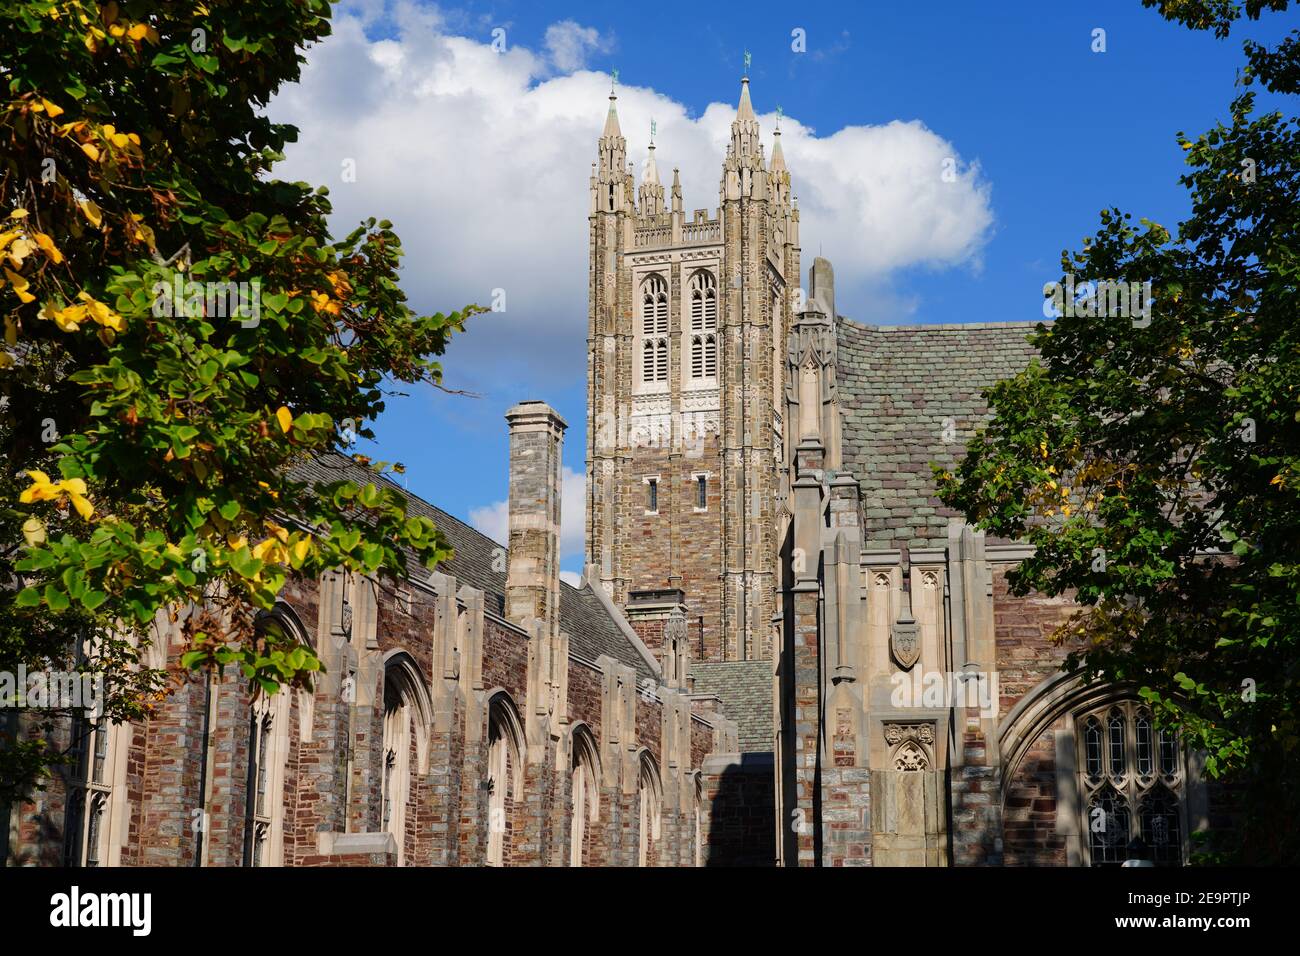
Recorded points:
(911,745)
(345,619)
(676,631)
(905,643)
(897,733)
(910,757)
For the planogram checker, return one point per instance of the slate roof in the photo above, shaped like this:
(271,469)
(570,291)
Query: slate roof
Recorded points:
(592,632)
(745,689)
(897,385)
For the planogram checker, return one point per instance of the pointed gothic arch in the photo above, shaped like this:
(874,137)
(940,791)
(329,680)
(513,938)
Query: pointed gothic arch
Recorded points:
(408,713)
(584,776)
(650,807)
(505,774)
(1123,788)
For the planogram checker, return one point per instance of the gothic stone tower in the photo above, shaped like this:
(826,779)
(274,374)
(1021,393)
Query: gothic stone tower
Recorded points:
(686,341)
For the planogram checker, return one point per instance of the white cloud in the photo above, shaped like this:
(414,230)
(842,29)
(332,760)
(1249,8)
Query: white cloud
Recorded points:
(569,42)
(494,519)
(482,162)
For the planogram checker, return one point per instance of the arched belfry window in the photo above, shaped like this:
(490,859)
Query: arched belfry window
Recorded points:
(505,770)
(654,330)
(1132,787)
(585,786)
(704,324)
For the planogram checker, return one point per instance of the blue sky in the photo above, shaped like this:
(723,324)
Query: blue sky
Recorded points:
(1046,133)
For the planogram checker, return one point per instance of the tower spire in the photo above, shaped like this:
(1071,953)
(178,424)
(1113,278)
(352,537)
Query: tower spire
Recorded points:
(745,148)
(612,185)
(651,194)
(611,119)
(745,111)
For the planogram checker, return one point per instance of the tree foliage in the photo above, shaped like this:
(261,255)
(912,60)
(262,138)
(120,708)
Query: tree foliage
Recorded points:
(1155,463)
(152,416)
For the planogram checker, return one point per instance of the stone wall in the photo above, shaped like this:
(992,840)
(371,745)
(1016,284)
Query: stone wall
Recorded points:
(331,761)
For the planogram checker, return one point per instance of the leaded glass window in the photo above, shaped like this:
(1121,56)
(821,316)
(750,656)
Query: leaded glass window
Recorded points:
(1130,812)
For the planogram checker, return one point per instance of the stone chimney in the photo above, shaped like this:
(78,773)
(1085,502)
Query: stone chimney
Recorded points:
(533,576)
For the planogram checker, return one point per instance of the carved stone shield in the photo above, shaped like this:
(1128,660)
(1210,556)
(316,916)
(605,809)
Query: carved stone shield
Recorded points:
(905,643)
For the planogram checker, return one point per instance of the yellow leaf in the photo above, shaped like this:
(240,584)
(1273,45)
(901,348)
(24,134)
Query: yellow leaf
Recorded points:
(138,31)
(98,311)
(120,140)
(48,247)
(285,418)
(20,285)
(19,213)
(40,490)
(90,150)
(68,320)
(11,331)
(33,532)
(84,507)
(51,110)
(74,486)
(19,251)
(8,237)
(91,212)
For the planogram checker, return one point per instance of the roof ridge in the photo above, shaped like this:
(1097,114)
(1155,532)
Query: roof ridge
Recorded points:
(943,326)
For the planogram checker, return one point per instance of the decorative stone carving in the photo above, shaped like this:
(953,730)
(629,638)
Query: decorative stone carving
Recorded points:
(912,745)
(700,399)
(895,733)
(905,643)
(905,633)
(910,757)
(345,619)
(676,630)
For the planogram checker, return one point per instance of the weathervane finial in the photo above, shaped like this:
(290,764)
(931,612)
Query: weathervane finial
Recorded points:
(747,59)
(653,127)
(613,80)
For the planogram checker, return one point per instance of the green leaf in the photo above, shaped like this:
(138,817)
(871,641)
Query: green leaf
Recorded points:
(55,599)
